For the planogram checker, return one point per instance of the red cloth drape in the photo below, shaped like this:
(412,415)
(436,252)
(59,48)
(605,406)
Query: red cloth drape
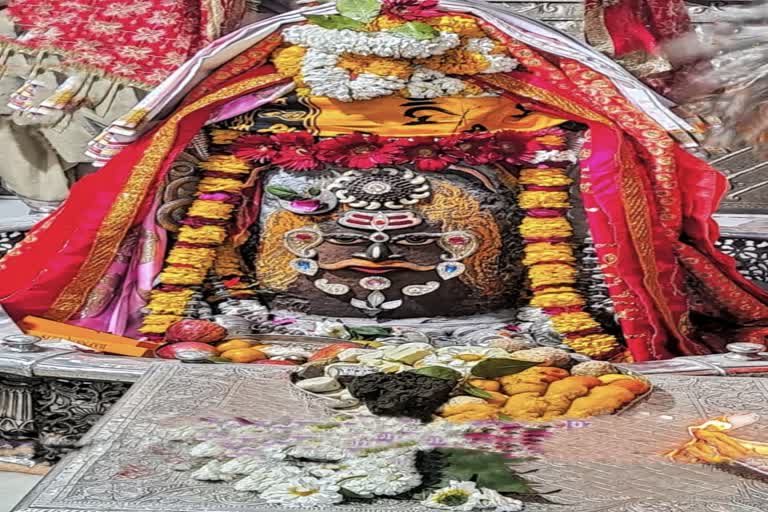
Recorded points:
(48,261)
(139,41)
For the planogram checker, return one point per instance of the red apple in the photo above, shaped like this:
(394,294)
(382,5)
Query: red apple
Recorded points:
(200,331)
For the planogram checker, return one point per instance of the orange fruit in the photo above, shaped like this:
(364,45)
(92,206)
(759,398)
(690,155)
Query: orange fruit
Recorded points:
(638,387)
(487,385)
(244,355)
(232,345)
(613,377)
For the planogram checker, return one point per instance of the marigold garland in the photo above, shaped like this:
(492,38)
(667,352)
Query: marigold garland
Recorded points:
(376,65)
(529,200)
(196,252)
(462,25)
(547,252)
(551,263)
(457,62)
(544,177)
(288,60)
(556,227)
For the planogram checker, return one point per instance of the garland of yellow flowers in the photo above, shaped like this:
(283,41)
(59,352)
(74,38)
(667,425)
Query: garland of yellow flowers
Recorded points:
(551,262)
(199,243)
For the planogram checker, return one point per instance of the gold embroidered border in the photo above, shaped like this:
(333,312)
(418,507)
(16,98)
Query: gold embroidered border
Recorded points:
(123,211)
(595,31)
(640,224)
(515,86)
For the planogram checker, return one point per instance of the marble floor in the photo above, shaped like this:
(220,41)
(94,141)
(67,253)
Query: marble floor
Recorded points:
(13,487)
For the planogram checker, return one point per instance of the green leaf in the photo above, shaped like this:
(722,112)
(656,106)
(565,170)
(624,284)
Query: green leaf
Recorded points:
(284,193)
(359,10)
(499,367)
(416,30)
(487,469)
(220,360)
(504,417)
(335,21)
(438,372)
(476,391)
(369,331)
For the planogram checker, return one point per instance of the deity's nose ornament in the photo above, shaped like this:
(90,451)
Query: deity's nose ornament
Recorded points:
(379,251)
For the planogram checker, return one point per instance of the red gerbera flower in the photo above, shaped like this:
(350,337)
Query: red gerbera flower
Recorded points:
(357,151)
(515,147)
(410,9)
(426,153)
(296,151)
(257,148)
(474,148)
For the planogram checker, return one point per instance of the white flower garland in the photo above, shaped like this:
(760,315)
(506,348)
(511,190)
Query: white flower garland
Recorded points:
(321,73)
(380,44)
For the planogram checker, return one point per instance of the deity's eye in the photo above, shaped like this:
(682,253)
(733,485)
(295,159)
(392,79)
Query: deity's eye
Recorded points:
(345,239)
(415,239)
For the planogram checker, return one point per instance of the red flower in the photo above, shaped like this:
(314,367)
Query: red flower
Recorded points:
(426,153)
(257,148)
(297,151)
(474,148)
(410,9)
(515,147)
(357,151)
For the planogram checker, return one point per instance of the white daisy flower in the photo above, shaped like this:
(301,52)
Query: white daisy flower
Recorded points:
(243,465)
(492,499)
(207,449)
(267,476)
(212,472)
(462,496)
(318,451)
(303,492)
(276,452)
(391,482)
(328,328)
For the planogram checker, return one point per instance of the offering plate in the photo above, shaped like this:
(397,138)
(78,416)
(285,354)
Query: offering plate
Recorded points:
(607,464)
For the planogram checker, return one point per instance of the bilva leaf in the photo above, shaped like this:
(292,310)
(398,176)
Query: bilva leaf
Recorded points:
(487,469)
(284,193)
(439,372)
(359,10)
(499,367)
(416,30)
(335,21)
(476,391)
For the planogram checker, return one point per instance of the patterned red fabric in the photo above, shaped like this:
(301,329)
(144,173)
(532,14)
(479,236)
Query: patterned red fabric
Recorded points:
(138,41)
(640,25)
(624,27)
